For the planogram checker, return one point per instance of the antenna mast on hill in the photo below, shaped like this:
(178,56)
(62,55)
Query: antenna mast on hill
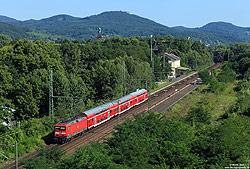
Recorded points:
(99,34)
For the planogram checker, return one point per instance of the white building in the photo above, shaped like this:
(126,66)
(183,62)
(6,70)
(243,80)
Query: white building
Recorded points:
(175,64)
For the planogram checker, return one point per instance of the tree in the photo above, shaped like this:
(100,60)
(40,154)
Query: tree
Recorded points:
(224,144)
(4,40)
(216,86)
(204,75)
(153,141)
(91,156)
(26,74)
(244,64)
(227,74)
(46,159)
(199,114)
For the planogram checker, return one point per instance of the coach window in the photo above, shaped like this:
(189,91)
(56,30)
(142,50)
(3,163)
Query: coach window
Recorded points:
(63,128)
(68,128)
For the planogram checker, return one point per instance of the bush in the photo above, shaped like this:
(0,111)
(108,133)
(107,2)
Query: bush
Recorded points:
(227,74)
(204,75)
(28,136)
(216,86)
(46,159)
(198,114)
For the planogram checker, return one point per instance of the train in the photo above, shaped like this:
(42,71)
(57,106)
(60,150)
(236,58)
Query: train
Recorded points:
(84,121)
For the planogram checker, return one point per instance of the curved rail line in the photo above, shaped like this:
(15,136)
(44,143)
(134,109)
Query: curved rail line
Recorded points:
(106,129)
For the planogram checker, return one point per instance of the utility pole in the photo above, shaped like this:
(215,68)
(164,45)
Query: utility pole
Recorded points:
(153,65)
(248,163)
(149,101)
(195,60)
(123,69)
(51,104)
(16,155)
(164,63)
(204,59)
(151,53)
(118,119)
(151,49)
(51,98)
(228,57)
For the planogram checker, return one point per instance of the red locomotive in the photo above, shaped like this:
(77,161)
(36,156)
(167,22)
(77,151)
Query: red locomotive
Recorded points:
(65,130)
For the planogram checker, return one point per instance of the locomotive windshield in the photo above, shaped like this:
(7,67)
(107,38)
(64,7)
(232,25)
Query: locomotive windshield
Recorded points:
(60,128)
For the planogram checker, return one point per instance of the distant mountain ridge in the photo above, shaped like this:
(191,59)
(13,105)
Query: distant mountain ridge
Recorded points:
(7,19)
(221,28)
(112,23)
(123,24)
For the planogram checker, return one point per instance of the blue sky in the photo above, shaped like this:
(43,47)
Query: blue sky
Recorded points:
(189,13)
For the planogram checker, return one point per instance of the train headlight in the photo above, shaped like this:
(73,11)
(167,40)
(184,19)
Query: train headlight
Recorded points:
(57,132)
(63,133)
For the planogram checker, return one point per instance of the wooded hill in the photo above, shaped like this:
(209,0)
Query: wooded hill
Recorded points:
(14,30)
(221,28)
(117,23)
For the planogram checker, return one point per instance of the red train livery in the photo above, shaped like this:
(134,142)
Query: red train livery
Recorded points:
(67,129)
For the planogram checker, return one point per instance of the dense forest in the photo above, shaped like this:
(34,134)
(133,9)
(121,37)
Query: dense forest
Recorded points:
(85,73)
(197,139)
(14,30)
(90,73)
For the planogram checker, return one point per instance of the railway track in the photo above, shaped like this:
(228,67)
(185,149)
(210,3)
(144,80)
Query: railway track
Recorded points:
(156,99)
(30,155)
(156,102)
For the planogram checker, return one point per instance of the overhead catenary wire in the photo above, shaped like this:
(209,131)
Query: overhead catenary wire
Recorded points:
(4,155)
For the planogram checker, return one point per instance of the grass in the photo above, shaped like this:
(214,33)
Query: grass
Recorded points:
(219,104)
(160,86)
(41,35)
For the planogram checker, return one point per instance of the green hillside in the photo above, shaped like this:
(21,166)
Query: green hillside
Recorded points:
(221,29)
(14,30)
(21,32)
(112,23)
(7,19)
(123,24)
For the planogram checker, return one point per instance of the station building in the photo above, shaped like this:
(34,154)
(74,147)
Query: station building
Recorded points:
(175,64)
